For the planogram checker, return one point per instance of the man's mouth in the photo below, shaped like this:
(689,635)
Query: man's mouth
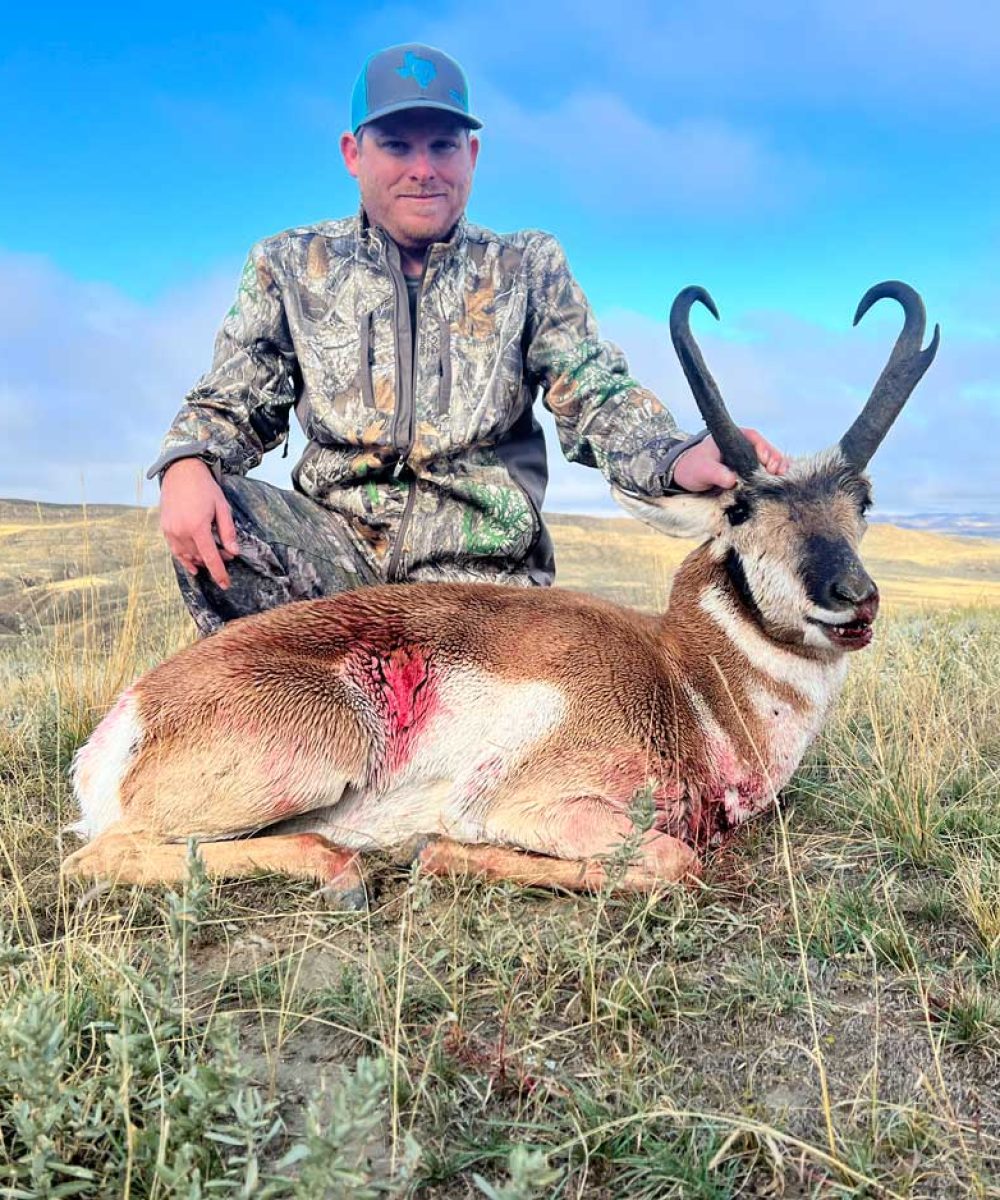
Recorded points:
(856,633)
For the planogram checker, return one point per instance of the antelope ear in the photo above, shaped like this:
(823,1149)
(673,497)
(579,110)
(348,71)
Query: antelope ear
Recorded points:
(683,516)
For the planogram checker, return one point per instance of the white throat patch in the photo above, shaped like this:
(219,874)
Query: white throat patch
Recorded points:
(815,681)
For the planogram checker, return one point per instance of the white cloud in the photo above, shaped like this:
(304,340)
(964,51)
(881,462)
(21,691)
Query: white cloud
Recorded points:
(91,378)
(602,154)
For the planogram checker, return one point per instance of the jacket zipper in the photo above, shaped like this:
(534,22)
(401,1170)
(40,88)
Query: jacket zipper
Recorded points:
(405,407)
(367,385)
(444,367)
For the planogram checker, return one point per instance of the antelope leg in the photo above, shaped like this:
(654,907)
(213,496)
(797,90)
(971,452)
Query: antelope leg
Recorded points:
(135,856)
(673,861)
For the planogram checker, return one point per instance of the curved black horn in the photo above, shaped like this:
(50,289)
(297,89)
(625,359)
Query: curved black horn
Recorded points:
(901,374)
(737,452)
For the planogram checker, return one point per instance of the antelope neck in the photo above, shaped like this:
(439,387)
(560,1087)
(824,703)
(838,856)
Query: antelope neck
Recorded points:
(741,588)
(712,611)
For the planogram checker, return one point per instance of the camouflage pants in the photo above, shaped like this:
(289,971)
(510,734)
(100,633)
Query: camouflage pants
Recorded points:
(291,548)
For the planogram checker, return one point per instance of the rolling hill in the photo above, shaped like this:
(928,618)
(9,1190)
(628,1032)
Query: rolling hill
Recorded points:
(59,563)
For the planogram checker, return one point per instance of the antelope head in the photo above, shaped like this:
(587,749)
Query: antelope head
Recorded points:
(789,544)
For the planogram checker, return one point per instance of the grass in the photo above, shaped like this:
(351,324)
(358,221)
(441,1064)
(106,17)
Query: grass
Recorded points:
(818,1018)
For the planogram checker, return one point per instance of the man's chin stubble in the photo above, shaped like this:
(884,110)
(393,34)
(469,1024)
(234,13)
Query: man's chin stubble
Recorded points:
(418,245)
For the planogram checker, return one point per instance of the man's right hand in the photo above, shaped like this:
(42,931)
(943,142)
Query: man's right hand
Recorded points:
(191,504)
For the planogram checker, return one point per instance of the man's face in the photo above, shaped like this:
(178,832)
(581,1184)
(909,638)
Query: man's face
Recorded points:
(414,169)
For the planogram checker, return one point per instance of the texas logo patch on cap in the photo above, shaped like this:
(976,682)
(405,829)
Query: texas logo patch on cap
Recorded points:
(420,69)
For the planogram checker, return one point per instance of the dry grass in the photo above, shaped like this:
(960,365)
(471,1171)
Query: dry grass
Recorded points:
(820,1018)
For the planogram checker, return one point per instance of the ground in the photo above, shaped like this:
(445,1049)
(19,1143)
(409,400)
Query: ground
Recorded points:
(819,1017)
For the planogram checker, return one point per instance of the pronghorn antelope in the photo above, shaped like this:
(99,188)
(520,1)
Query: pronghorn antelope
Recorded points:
(509,731)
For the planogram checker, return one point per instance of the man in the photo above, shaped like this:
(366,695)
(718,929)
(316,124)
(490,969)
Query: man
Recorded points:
(412,345)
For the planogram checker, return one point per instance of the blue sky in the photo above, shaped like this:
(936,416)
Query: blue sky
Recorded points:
(785,155)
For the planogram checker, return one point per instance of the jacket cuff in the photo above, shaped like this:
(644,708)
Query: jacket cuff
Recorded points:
(187,450)
(667,463)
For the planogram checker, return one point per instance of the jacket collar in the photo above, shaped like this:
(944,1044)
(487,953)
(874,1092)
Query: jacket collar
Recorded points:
(380,247)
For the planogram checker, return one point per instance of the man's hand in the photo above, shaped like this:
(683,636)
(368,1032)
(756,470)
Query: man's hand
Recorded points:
(701,467)
(191,503)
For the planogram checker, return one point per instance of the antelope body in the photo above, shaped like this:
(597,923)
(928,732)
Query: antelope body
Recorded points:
(513,728)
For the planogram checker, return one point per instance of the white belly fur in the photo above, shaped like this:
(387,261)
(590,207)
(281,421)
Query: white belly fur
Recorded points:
(482,731)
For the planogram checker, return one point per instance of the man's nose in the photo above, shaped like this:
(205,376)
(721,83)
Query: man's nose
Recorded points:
(422,165)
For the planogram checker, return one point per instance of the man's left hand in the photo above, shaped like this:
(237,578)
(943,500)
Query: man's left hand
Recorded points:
(701,467)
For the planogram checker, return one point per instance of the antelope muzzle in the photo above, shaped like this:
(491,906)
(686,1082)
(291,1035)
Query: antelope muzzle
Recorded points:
(837,583)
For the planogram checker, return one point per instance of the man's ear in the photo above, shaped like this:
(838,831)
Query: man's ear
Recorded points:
(697,516)
(349,152)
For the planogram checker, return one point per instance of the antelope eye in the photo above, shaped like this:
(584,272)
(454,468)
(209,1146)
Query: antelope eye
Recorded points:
(737,513)
(865,504)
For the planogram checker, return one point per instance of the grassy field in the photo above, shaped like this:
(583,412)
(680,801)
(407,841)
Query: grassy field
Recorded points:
(819,1017)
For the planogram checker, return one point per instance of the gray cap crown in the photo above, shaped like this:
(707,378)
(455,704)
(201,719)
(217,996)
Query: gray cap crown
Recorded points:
(410,76)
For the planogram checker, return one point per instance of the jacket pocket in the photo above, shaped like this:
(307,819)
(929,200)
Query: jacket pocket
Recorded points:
(523,457)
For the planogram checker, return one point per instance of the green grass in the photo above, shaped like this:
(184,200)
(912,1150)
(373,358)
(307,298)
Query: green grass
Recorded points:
(818,1017)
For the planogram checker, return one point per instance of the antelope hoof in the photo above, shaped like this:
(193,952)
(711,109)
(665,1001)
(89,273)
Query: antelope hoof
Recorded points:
(342,886)
(72,867)
(412,851)
(340,896)
(94,892)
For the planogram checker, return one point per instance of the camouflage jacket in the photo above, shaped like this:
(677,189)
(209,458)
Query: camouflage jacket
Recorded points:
(429,449)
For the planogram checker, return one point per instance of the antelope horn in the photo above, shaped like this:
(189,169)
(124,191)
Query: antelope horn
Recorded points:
(901,374)
(737,452)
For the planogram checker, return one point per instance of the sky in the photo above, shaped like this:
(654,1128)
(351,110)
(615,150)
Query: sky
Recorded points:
(785,155)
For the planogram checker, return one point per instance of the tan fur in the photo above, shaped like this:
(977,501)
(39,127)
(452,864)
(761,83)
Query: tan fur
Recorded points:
(126,856)
(445,857)
(706,709)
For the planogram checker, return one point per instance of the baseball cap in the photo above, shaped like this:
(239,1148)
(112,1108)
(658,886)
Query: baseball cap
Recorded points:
(410,76)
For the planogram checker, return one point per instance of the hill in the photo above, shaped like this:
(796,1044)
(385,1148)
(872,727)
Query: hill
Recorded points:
(624,560)
(59,562)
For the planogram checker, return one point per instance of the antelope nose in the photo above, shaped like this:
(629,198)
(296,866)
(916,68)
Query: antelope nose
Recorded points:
(857,587)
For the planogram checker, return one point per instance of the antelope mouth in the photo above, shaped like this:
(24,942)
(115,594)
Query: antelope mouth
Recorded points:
(851,635)
(856,633)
